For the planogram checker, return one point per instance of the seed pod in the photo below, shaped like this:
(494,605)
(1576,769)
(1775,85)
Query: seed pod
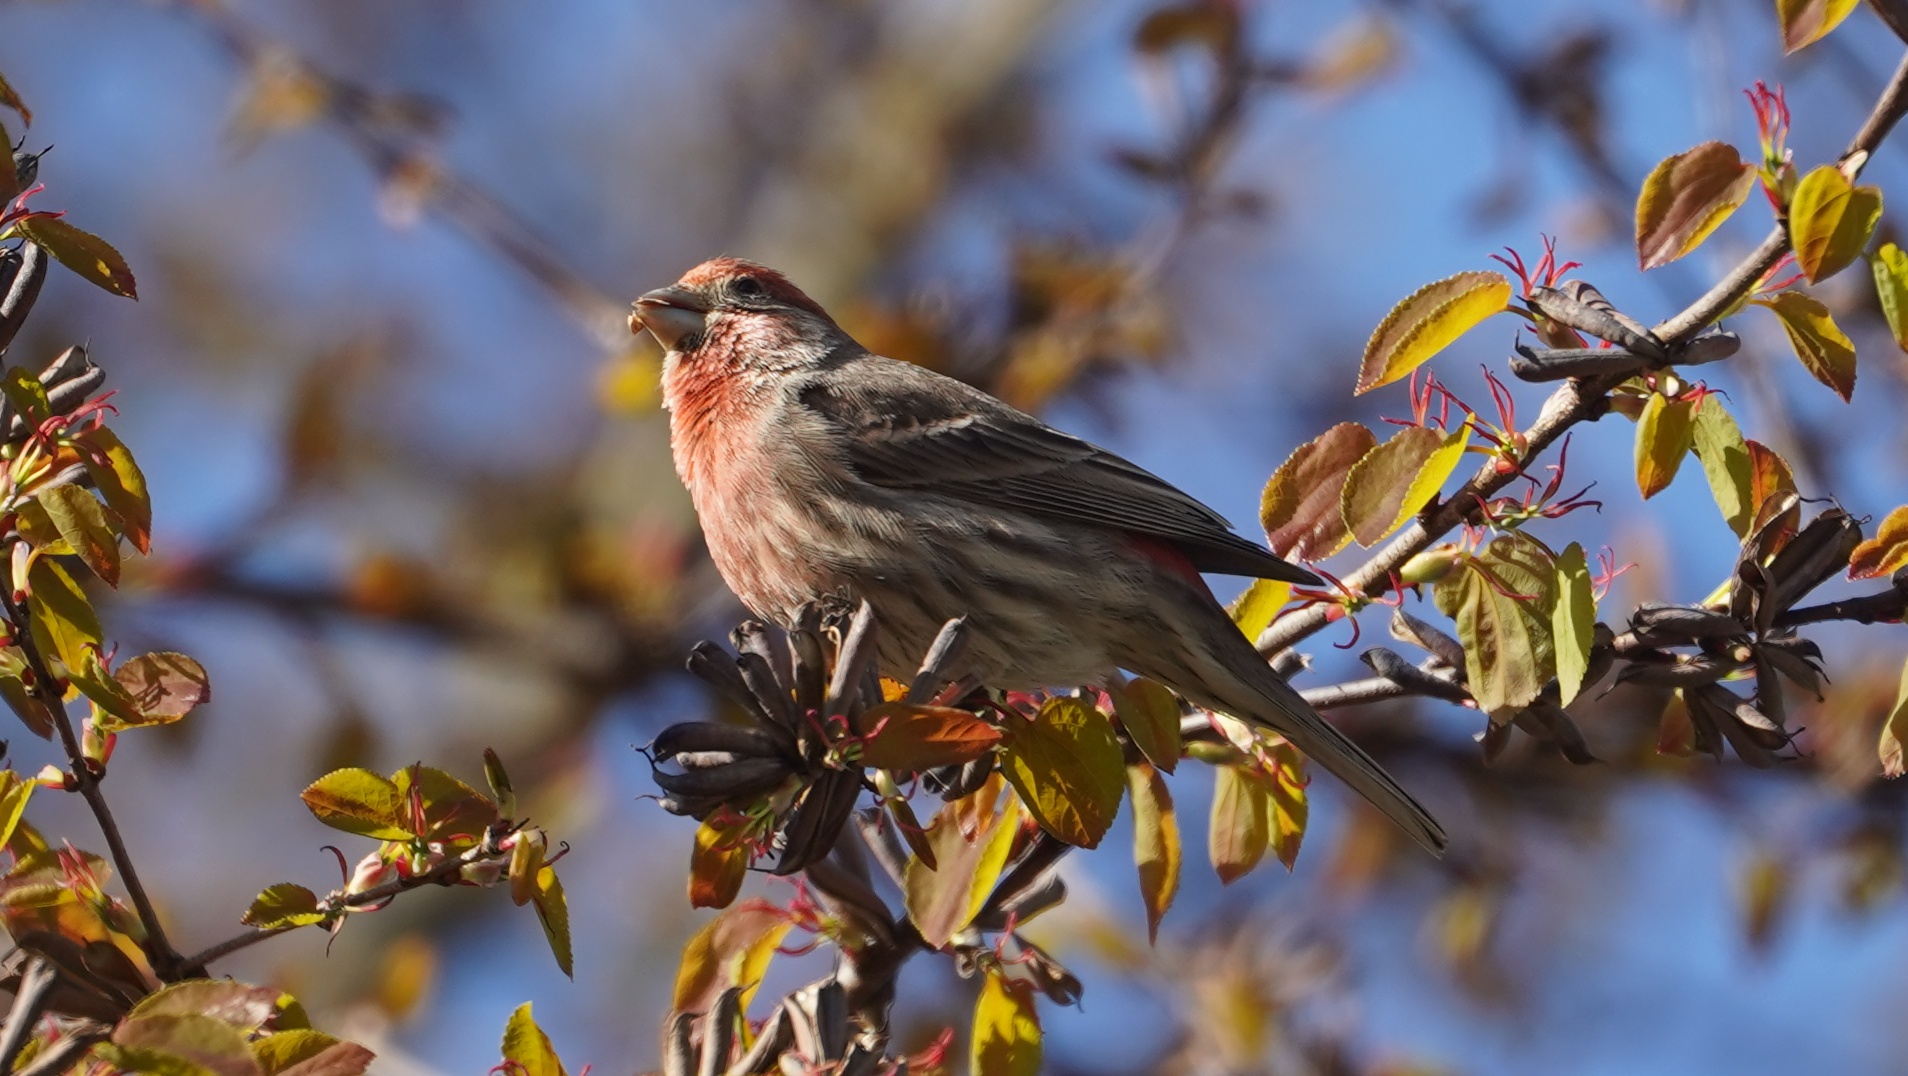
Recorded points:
(1811,558)
(937,667)
(1578,304)
(1392,666)
(817,819)
(713,665)
(1547,722)
(738,780)
(1709,347)
(742,741)
(1685,671)
(1409,629)
(1660,620)
(1539,365)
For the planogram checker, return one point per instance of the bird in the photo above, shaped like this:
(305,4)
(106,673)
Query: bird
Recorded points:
(820,470)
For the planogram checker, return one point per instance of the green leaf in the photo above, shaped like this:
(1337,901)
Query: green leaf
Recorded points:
(1426,322)
(1890,265)
(1806,21)
(1830,220)
(1895,730)
(971,838)
(1256,606)
(1156,850)
(1501,601)
(1719,446)
(499,782)
(283,905)
(304,1052)
(39,531)
(733,949)
(1664,435)
(1884,554)
(178,1044)
(1685,198)
(115,710)
(1068,768)
(1821,345)
(453,811)
(907,738)
(553,912)
(1006,1029)
(1573,621)
(118,478)
(1149,711)
(1373,500)
(527,1048)
(1300,505)
(165,686)
(27,395)
(81,251)
(64,624)
(246,1008)
(1287,804)
(361,802)
(82,523)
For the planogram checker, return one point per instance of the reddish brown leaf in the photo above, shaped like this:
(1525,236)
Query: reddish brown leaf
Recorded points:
(908,739)
(1300,505)
(1685,198)
(733,949)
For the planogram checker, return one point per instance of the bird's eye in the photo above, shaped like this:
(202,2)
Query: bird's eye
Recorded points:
(747,286)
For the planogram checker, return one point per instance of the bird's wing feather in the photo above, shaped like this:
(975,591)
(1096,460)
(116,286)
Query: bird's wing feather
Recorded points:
(911,428)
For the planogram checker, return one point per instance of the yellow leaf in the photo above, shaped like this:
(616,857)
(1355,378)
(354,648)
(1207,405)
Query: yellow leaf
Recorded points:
(1895,729)
(1255,606)
(971,838)
(1238,832)
(1068,768)
(733,949)
(1830,221)
(1006,1030)
(1825,350)
(1685,198)
(1806,21)
(718,864)
(528,1048)
(1156,849)
(1426,322)
(1884,554)
(1287,810)
(1501,601)
(1891,290)
(1664,434)
(81,251)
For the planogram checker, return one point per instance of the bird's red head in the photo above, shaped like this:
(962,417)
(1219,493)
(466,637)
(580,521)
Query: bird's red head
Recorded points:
(729,303)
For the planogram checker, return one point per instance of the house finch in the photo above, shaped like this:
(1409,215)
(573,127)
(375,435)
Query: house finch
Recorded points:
(820,470)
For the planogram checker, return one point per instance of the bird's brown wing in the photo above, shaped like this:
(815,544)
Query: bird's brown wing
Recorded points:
(910,428)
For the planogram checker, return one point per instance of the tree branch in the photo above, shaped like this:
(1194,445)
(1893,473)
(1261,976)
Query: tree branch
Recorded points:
(86,779)
(1579,401)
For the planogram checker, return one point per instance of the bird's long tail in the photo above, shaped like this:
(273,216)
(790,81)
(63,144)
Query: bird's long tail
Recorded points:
(1245,686)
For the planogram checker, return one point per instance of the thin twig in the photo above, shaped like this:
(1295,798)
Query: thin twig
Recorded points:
(1889,606)
(86,778)
(337,903)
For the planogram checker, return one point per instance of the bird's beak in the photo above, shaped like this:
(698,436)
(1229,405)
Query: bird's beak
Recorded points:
(670,314)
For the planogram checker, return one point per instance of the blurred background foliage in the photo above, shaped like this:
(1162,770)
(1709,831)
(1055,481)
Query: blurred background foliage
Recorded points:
(414,496)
